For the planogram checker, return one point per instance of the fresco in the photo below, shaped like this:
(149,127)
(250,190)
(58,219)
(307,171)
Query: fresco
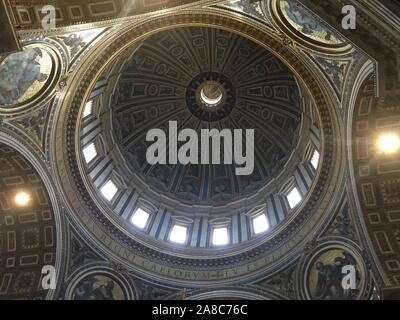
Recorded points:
(335,70)
(304,22)
(77,41)
(98,287)
(251,8)
(325,276)
(23,75)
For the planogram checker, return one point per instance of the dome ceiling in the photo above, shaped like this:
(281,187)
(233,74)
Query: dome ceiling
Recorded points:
(197,79)
(134,84)
(167,78)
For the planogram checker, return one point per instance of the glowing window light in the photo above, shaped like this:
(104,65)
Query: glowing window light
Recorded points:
(294,198)
(220,236)
(260,224)
(87,110)
(178,234)
(315,159)
(89,152)
(139,218)
(109,190)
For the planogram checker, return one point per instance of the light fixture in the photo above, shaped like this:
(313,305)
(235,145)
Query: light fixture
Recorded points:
(220,236)
(22,199)
(139,218)
(388,143)
(178,234)
(260,224)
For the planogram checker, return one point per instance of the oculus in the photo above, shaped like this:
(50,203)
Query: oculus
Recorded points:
(211,94)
